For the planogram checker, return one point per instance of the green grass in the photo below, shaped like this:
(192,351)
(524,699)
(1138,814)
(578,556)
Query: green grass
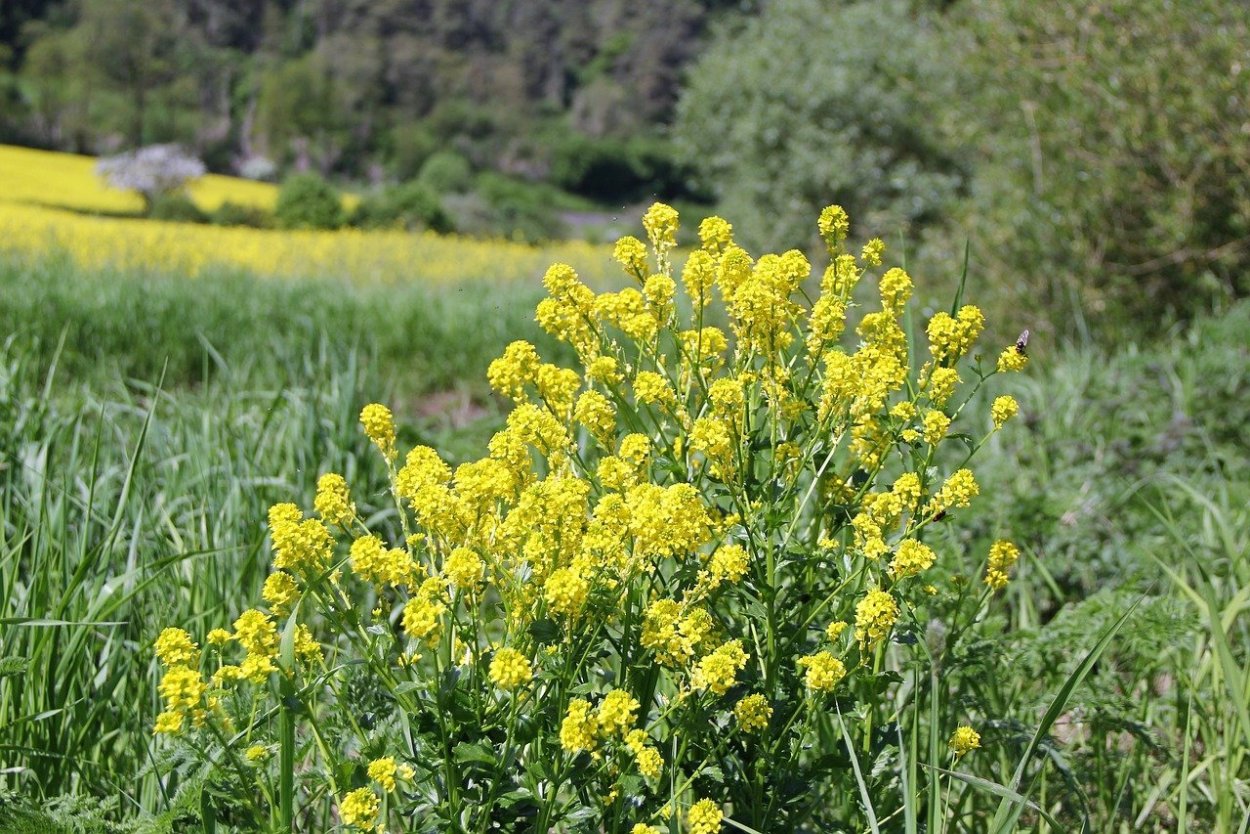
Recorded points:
(102,325)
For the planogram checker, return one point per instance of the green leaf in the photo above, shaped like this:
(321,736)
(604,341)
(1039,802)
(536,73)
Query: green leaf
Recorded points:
(544,631)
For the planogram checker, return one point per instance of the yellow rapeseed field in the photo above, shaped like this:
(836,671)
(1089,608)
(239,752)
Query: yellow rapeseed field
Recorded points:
(52,202)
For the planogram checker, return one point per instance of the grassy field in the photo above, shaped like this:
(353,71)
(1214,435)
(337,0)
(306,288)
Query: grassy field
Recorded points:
(159,390)
(54,201)
(129,503)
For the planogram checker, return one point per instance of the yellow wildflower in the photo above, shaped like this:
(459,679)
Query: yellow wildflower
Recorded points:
(964,740)
(911,557)
(464,568)
(379,427)
(631,253)
(566,592)
(1012,359)
(359,808)
(716,234)
(875,615)
(510,669)
(579,728)
(718,671)
(704,817)
(753,713)
(333,502)
(660,221)
(1003,556)
(1003,409)
(617,713)
(382,771)
(824,671)
(280,592)
(729,562)
(174,647)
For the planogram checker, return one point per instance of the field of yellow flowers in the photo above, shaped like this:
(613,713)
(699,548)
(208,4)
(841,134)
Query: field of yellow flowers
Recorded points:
(54,202)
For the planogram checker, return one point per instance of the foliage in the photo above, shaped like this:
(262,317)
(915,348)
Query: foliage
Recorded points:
(446,172)
(412,206)
(608,168)
(239,214)
(637,607)
(306,201)
(345,88)
(518,210)
(812,102)
(156,172)
(177,208)
(1114,153)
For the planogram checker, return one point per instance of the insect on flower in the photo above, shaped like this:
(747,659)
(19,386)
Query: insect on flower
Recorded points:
(1023,342)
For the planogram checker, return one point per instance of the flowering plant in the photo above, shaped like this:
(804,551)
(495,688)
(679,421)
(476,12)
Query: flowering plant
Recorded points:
(710,578)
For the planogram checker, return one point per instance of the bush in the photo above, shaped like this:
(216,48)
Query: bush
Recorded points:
(1116,152)
(176,208)
(518,209)
(685,578)
(240,214)
(306,201)
(615,170)
(446,172)
(814,102)
(413,206)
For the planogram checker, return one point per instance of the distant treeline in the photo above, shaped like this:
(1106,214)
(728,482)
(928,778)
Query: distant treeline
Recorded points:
(570,91)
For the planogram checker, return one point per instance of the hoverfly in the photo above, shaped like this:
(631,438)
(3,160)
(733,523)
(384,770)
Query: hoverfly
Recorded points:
(1023,342)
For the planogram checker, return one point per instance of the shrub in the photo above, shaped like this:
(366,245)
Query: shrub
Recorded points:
(1116,148)
(154,172)
(519,210)
(306,201)
(688,579)
(814,101)
(176,208)
(446,172)
(412,206)
(240,214)
(611,170)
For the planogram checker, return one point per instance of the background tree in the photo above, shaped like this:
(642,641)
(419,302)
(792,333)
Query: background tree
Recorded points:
(810,104)
(1114,165)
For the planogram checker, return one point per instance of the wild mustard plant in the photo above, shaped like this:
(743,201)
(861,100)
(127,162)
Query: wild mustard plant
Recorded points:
(694,582)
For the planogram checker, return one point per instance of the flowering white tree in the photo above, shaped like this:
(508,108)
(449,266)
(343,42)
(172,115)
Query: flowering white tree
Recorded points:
(153,171)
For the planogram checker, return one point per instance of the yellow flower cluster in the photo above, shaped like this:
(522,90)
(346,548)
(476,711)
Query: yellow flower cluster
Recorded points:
(1003,557)
(964,740)
(182,687)
(824,671)
(359,808)
(875,615)
(637,524)
(718,671)
(911,558)
(650,762)
(753,713)
(704,818)
(301,546)
(579,730)
(510,669)
(333,503)
(375,563)
(1003,409)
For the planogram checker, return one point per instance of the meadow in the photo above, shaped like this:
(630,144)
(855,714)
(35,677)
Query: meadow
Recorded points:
(162,385)
(54,201)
